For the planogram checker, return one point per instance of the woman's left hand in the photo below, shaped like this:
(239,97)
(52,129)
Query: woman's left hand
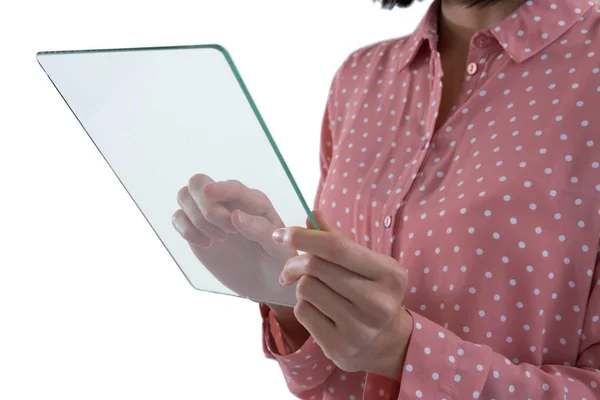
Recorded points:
(349,298)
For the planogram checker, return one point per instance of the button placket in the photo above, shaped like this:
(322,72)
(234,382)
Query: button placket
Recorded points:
(474,69)
(383,245)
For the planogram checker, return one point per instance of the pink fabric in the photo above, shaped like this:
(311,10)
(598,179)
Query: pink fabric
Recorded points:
(496,215)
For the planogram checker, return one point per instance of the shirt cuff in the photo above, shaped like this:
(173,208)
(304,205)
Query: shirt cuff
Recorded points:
(434,361)
(308,362)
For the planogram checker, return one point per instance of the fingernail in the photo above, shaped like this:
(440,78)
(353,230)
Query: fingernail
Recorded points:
(278,235)
(243,217)
(281,279)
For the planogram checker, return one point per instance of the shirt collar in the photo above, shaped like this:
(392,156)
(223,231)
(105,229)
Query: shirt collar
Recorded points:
(537,24)
(525,33)
(426,32)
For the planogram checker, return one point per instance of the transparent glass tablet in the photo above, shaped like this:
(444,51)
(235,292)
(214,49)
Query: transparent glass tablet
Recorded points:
(169,121)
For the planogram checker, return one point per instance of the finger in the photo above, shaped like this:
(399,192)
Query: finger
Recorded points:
(353,287)
(239,196)
(213,211)
(188,231)
(334,248)
(323,222)
(329,303)
(258,229)
(320,327)
(189,206)
(310,224)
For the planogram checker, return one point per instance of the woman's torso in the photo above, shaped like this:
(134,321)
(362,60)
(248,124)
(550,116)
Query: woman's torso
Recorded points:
(496,215)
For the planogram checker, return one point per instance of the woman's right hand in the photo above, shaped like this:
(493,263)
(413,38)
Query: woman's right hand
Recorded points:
(229,228)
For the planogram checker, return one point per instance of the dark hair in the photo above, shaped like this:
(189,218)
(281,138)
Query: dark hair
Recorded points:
(389,4)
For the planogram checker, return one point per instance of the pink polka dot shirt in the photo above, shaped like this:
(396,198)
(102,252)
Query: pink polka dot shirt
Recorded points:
(496,215)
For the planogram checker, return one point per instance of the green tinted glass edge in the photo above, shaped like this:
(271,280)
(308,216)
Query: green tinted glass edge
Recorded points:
(245,90)
(267,132)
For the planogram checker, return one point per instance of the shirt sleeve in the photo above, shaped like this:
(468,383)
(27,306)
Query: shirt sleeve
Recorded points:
(307,369)
(439,365)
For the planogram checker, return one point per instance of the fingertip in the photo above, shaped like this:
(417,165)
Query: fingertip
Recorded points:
(208,189)
(178,220)
(322,221)
(309,223)
(174,216)
(282,280)
(175,222)
(320,215)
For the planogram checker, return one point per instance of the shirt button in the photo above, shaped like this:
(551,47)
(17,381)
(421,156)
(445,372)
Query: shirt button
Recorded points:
(482,42)
(387,222)
(472,68)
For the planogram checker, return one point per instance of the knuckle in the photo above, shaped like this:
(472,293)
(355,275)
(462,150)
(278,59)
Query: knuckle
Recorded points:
(387,307)
(197,220)
(303,287)
(261,198)
(300,309)
(312,265)
(236,186)
(210,214)
(337,247)
(235,182)
(398,275)
(402,275)
(292,237)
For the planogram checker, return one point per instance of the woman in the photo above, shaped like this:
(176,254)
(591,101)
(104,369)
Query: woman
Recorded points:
(459,215)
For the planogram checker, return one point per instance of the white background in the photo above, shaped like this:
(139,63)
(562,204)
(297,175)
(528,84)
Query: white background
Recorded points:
(91,306)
